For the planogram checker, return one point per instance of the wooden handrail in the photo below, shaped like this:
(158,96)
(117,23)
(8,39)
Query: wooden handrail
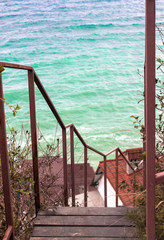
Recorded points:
(79,136)
(69,125)
(48,100)
(5,163)
(33,77)
(113,150)
(16,66)
(8,233)
(117,149)
(96,151)
(126,159)
(33,124)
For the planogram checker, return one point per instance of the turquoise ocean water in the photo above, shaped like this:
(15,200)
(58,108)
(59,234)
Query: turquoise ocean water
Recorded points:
(86,53)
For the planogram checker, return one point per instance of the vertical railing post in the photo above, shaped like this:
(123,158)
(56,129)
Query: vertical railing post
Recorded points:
(57,152)
(150,118)
(64,137)
(5,162)
(144,129)
(85,176)
(72,164)
(116,178)
(34,138)
(144,158)
(134,188)
(105,182)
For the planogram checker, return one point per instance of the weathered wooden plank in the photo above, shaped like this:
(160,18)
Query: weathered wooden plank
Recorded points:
(81,238)
(89,211)
(83,221)
(67,231)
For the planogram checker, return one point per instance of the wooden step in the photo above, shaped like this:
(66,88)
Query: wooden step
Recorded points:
(80,238)
(101,211)
(83,223)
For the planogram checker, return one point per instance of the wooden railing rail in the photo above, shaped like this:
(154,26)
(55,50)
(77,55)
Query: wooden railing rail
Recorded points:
(134,174)
(16,66)
(151,178)
(5,167)
(121,153)
(72,131)
(48,100)
(33,78)
(118,150)
(96,151)
(31,87)
(86,146)
(9,233)
(111,151)
(62,125)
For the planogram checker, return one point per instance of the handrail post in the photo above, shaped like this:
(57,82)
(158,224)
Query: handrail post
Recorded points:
(134,187)
(150,118)
(85,176)
(117,178)
(105,182)
(144,129)
(64,137)
(72,164)
(9,233)
(57,152)
(5,163)
(34,138)
(144,159)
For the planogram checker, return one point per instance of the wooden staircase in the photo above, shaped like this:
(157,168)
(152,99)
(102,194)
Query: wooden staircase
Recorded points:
(83,223)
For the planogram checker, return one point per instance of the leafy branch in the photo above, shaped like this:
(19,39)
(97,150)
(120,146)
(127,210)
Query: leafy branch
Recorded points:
(13,109)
